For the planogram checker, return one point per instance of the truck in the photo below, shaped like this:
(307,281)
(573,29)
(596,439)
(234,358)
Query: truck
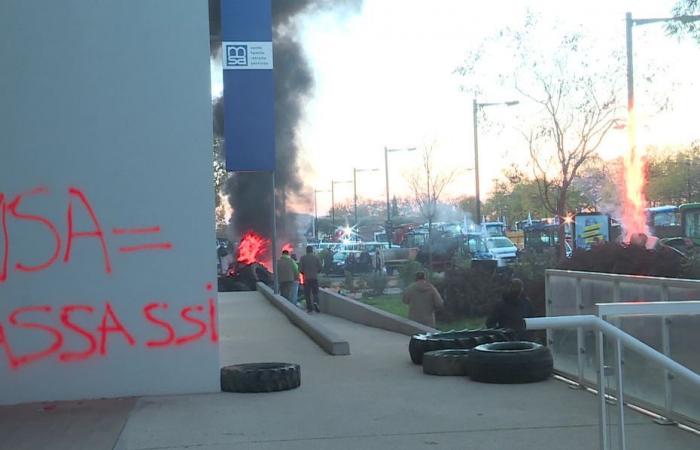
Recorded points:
(395,257)
(664,221)
(689,239)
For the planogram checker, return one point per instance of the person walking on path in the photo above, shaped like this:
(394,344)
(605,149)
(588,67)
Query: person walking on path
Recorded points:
(310,266)
(287,272)
(511,310)
(422,299)
(295,284)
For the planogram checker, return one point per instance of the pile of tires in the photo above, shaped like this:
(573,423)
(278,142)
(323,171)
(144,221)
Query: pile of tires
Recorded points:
(488,356)
(454,340)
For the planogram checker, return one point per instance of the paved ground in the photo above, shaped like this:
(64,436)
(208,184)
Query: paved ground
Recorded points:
(372,399)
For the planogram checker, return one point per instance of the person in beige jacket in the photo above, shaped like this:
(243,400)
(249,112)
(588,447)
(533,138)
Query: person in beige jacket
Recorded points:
(287,273)
(422,299)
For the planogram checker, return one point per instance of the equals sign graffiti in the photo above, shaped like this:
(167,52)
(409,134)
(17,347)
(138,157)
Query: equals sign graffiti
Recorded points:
(141,247)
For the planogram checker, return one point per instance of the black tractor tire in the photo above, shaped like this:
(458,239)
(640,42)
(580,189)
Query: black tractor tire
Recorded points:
(510,362)
(447,362)
(451,340)
(416,348)
(224,284)
(260,377)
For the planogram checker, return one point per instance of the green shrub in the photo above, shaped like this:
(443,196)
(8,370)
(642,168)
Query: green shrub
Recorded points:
(377,282)
(470,292)
(407,272)
(690,266)
(349,281)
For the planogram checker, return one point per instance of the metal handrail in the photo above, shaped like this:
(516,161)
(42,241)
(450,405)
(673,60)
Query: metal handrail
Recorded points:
(603,327)
(672,308)
(649,281)
(588,321)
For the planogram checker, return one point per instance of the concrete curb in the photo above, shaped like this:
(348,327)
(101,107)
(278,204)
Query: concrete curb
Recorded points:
(325,338)
(338,305)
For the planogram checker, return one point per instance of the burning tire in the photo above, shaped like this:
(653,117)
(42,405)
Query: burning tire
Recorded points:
(510,362)
(228,284)
(260,377)
(452,340)
(447,362)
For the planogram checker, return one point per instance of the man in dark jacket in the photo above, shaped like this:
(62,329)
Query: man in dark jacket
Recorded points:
(310,266)
(511,310)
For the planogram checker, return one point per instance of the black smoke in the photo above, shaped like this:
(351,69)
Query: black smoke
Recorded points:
(250,193)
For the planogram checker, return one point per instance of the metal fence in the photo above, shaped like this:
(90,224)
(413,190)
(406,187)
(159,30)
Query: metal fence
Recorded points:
(646,384)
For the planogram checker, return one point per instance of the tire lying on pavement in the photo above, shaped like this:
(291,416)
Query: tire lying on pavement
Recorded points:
(260,377)
(465,339)
(510,362)
(447,362)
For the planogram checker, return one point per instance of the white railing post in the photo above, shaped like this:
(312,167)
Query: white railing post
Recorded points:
(620,395)
(580,338)
(602,405)
(668,377)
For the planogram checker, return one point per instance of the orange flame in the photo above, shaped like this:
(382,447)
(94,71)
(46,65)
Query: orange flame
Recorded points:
(634,199)
(288,247)
(254,248)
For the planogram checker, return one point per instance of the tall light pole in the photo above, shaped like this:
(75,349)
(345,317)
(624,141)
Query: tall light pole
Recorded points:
(629,23)
(475,109)
(631,135)
(354,186)
(389,232)
(333,183)
(315,227)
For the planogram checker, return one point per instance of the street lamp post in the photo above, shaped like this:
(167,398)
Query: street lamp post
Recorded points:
(475,110)
(333,183)
(631,135)
(315,227)
(386,173)
(629,23)
(354,186)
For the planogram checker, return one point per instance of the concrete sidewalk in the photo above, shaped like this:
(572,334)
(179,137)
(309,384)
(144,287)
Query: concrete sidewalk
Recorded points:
(372,399)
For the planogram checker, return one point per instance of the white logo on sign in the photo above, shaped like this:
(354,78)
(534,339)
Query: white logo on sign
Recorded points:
(237,55)
(247,55)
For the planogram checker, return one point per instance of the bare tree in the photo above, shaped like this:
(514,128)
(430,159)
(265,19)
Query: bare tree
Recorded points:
(578,107)
(574,101)
(427,185)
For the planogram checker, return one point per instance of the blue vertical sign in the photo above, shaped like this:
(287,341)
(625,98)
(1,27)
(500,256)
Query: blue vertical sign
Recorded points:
(249,121)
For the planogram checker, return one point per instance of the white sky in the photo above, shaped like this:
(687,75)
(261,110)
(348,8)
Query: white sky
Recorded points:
(384,77)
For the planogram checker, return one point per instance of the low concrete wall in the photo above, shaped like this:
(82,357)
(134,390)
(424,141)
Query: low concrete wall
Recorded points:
(325,338)
(338,305)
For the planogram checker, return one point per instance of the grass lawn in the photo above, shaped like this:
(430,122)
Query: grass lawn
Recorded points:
(394,305)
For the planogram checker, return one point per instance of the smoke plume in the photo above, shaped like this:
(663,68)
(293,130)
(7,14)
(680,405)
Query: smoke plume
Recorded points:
(249,193)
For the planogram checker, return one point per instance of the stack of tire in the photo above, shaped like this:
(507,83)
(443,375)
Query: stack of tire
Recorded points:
(490,356)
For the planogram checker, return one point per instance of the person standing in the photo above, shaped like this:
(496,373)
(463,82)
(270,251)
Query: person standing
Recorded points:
(377,261)
(422,299)
(287,272)
(295,284)
(511,310)
(310,266)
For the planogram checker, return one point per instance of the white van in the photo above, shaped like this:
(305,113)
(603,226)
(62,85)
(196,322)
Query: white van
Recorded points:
(503,250)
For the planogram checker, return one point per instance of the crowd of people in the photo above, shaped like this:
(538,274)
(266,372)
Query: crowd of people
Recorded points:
(422,298)
(290,274)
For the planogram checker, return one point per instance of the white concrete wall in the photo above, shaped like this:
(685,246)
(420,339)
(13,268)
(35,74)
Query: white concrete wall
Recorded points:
(110,98)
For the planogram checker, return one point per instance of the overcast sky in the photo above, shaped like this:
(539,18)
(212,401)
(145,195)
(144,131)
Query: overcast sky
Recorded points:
(385,77)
